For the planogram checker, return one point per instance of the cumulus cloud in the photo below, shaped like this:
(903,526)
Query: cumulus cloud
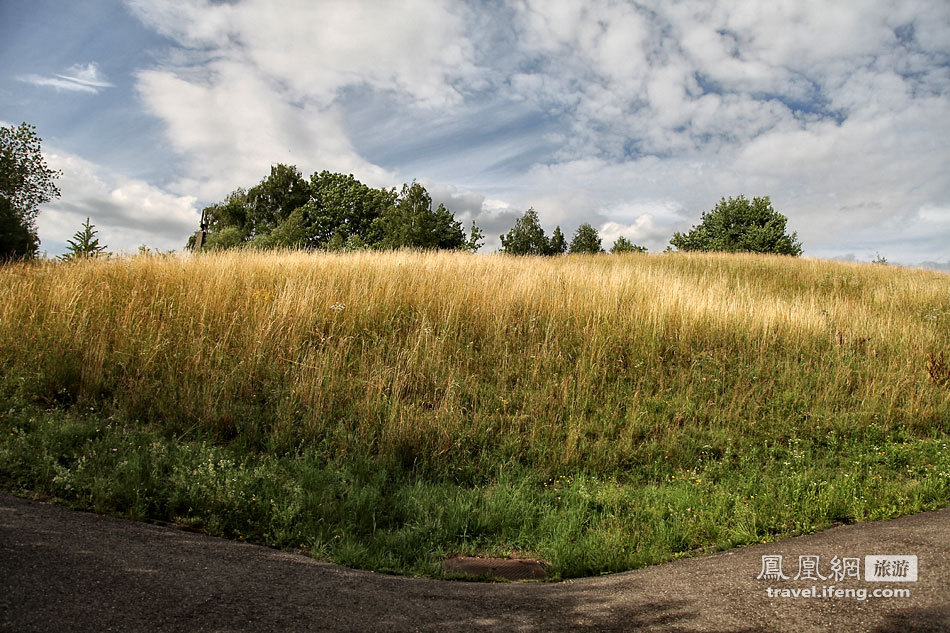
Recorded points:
(832,111)
(633,117)
(259,82)
(127,212)
(78,78)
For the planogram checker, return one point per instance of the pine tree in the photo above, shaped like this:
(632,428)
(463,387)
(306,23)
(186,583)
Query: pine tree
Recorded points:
(558,244)
(84,244)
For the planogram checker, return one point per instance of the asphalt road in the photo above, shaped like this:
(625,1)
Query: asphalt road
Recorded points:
(62,570)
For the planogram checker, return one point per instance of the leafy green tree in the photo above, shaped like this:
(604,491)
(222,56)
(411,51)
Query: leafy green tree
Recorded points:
(476,239)
(586,240)
(623,245)
(272,201)
(342,203)
(557,245)
(354,243)
(225,238)
(336,243)
(233,211)
(232,216)
(740,225)
(17,241)
(84,244)
(412,223)
(328,212)
(448,231)
(291,233)
(25,183)
(526,237)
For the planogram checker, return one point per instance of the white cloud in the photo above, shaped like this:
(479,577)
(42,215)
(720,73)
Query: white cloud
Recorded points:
(644,231)
(78,78)
(232,129)
(651,112)
(127,212)
(270,74)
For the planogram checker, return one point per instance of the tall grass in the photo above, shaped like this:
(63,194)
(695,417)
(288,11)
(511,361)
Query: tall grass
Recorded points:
(456,368)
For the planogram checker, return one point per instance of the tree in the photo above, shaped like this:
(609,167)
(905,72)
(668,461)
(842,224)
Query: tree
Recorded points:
(336,243)
(342,203)
(623,245)
(291,233)
(25,183)
(225,238)
(16,240)
(586,240)
(412,223)
(740,225)
(526,237)
(557,245)
(328,212)
(271,202)
(84,244)
(476,239)
(354,243)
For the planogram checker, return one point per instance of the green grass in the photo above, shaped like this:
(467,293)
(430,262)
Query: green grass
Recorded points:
(385,411)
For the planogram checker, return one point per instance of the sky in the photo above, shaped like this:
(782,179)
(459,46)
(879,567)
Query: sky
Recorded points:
(635,117)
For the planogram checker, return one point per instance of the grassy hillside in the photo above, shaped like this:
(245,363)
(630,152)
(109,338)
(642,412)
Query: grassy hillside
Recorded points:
(383,410)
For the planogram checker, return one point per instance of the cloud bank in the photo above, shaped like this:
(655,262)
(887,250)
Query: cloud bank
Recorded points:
(635,117)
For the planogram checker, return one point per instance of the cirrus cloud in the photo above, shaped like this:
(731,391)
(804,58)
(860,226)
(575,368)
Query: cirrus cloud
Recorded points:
(78,78)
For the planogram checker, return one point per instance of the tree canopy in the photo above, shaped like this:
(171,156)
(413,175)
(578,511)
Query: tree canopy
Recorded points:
(740,225)
(25,183)
(623,245)
(17,241)
(412,223)
(557,245)
(526,237)
(586,240)
(331,211)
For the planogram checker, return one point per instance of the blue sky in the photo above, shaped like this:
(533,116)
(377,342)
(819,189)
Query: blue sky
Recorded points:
(634,117)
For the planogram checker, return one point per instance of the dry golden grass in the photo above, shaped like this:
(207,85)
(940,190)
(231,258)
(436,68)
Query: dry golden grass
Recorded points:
(432,355)
(606,412)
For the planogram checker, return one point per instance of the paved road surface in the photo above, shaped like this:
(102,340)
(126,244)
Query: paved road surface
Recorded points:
(72,571)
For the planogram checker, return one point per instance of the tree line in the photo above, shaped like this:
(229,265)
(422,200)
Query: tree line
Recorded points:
(330,211)
(527,237)
(735,225)
(337,212)
(333,211)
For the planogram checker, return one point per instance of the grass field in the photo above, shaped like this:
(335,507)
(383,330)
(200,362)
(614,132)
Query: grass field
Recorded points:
(384,410)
